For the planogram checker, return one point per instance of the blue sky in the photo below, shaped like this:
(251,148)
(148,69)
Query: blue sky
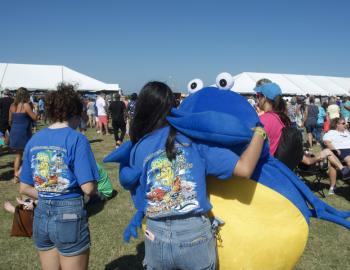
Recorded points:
(132,42)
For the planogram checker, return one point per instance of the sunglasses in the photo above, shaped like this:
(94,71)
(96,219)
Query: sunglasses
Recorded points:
(259,95)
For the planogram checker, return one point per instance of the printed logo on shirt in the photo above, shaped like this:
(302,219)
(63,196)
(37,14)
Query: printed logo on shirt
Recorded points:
(172,189)
(49,170)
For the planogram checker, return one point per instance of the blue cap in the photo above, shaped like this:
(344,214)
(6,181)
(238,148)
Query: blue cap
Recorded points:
(269,90)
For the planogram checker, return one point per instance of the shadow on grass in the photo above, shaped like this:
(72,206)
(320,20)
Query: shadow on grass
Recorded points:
(6,151)
(317,187)
(95,140)
(96,205)
(129,262)
(7,176)
(343,191)
(5,165)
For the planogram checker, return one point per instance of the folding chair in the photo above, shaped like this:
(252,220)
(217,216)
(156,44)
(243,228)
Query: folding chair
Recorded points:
(318,170)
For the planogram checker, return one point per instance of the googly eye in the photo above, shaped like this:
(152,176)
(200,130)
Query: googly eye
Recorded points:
(194,85)
(224,81)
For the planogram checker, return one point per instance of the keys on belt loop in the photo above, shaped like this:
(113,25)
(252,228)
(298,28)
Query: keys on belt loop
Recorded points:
(216,224)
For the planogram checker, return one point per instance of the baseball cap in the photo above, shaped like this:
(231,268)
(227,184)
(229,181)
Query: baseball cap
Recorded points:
(269,90)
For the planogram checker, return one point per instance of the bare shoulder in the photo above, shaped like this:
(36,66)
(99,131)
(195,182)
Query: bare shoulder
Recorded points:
(27,106)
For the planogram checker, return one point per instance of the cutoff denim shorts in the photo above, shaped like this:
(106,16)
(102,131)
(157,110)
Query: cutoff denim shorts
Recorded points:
(61,224)
(181,243)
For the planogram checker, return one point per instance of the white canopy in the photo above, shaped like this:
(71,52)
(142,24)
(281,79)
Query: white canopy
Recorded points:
(292,84)
(47,77)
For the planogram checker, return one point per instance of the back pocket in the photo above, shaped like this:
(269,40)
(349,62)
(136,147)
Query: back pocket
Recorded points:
(68,228)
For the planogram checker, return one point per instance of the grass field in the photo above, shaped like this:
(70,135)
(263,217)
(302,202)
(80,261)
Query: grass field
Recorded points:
(328,246)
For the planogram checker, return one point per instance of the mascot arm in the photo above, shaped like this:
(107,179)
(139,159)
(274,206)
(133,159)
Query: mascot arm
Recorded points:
(135,223)
(128,176)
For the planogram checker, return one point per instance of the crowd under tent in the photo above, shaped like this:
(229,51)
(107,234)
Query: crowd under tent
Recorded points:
(47,77)
(292,84)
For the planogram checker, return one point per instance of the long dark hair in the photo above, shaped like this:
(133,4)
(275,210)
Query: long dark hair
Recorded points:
(279,107)
(153,105)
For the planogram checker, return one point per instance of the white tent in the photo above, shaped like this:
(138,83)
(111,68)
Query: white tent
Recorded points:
(47,77)
(292,84)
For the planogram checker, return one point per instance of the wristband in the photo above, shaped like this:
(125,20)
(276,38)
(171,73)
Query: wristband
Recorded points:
(261,132)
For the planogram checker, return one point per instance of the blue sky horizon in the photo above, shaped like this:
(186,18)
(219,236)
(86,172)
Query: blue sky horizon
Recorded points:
(175,41)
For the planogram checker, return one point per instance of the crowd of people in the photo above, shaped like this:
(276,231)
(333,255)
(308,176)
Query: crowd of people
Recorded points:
(322,121)
(59,168)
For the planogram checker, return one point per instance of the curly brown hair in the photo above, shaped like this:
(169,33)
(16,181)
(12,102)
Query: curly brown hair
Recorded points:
(22,96)
(63,104)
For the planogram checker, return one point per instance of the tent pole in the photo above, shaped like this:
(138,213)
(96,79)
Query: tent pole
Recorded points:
(3,75)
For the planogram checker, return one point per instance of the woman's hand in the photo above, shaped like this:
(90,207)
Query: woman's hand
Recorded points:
(28,190)
(248,160)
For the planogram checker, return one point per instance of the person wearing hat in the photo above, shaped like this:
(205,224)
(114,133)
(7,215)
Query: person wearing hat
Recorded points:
(5,104)
(274,119)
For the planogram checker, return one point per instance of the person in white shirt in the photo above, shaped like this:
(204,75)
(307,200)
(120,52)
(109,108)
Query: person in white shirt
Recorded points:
(333,109)
(338,138)
(101,106)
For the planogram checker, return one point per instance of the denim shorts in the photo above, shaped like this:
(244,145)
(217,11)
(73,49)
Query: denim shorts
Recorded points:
(61,224)
(181,243)
(344,153)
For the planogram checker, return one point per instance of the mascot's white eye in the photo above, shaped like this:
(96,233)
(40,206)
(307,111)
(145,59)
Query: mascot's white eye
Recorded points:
(224,81)
(194,85)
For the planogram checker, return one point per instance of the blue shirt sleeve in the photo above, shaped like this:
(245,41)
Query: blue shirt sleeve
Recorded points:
(220,162)
(85,167)
(26,175)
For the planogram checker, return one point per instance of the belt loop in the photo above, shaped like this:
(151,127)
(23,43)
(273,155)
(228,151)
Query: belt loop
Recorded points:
(167,222)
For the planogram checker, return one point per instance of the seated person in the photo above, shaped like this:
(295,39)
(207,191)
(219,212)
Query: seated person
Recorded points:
(334,165)
(338,139)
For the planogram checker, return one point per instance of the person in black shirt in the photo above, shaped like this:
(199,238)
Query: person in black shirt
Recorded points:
(117,110)
(5,103)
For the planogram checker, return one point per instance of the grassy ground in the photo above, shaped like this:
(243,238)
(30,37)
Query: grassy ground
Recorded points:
(327,248)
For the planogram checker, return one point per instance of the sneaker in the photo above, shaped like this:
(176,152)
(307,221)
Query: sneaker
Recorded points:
(331,191)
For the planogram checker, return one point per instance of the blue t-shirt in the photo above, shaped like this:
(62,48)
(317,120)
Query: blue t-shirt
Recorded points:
(344,112)
(57,162)
(178,187)
(321,115)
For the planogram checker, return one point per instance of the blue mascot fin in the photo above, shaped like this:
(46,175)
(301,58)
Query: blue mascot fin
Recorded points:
(129,178)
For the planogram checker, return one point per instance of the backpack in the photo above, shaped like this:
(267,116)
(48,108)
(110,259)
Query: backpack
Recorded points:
(290,147)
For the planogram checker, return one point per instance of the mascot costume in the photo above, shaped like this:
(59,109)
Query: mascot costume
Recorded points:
(263,221)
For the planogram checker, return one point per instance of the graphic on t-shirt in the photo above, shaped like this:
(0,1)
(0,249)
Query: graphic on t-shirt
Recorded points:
(50,170)
(172,188)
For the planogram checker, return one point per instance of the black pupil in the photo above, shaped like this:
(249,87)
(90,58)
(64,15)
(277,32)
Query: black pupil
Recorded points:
(223,82)
(193,85)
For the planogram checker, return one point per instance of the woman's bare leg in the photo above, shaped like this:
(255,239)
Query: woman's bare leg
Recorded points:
(79,262)
(17,164)
(332,158)
(309,137)
(332,176)
(50,259)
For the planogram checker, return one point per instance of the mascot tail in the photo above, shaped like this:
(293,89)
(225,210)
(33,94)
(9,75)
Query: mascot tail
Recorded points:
(317,207)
